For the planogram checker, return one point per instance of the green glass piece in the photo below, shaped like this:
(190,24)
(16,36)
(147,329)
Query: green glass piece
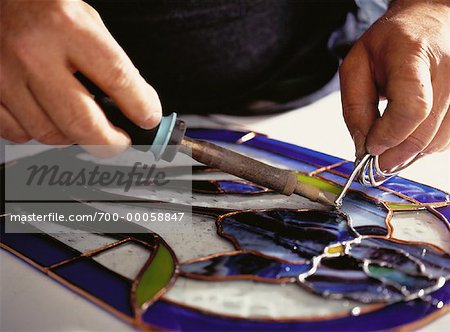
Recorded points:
(398,206)
(157,275)
(319,183)
(391,275)
(405,282)
(380,271)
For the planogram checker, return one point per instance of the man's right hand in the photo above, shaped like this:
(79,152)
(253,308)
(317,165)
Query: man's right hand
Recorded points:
(43,43)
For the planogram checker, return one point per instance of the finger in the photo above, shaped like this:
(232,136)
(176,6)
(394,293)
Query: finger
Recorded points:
(10,127)
(18,99)
(433,133)
(359,96)
(102,60)
(442,139)
(73,110)
(412,145)
(445,148)
(410,98)
(32,117)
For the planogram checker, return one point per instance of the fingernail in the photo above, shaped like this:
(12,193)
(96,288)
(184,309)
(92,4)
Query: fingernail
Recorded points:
(385,167)
(392,164)
(360,141)
(152,121)
(406,163)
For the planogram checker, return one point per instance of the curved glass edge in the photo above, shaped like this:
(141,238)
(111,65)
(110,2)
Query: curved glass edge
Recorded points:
(389,317)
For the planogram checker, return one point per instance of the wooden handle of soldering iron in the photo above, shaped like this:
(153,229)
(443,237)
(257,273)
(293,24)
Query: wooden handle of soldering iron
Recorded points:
(280,180)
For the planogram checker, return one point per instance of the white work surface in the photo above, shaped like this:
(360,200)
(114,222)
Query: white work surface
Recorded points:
(30,301)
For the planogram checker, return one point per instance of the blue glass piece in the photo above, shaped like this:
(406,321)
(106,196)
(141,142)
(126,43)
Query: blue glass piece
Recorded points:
(244,264)
(436,263)
(40,248)
(286,234)
(293,151)
(230,136)
(344,276)
(442,294)
(267,144)
(269,157)
(204,186)
(238,187)
(346,168)
(365,215)
(417,191)
(221,186)
(173,317)
(371,230)
(392,257)
(98,281)
(445,211)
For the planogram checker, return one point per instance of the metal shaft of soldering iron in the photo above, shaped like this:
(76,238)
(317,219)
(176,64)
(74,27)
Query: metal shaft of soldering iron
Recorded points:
(277,179)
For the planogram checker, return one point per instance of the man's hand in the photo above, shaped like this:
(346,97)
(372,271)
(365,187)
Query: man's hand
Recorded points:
(404,57)
(43,43)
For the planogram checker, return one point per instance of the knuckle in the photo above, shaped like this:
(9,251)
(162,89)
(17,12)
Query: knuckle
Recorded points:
(49,136)
(17,136)
(348,109)
(415,144)
(389,136)
(416,42)
(389,133)
(21,137)
(81,126)
(22,47)
(119,76)
(85,129)
(64,14)
(355,110)
(419,108)
(437,147)
(26,51)
(418,46)
(413,110)
(91,11)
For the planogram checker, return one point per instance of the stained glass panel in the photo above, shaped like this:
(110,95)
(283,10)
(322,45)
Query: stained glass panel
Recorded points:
(251,259)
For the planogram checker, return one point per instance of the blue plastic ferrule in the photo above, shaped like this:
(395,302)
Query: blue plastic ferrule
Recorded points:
(163,135)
